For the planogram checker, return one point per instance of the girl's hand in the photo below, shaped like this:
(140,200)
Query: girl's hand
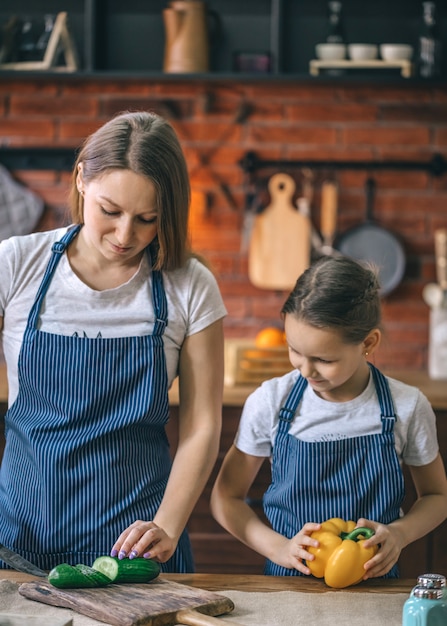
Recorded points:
(144,539)
(390,543)
(293,552)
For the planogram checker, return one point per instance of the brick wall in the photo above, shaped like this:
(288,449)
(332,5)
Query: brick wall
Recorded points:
(288,121)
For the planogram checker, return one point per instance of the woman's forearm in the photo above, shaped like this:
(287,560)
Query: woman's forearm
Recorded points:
(239,519)
(191,468)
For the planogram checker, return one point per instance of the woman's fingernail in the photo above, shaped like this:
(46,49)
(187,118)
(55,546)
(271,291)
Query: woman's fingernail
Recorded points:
(133,554)
(114,552)
(147,555)
(122,554)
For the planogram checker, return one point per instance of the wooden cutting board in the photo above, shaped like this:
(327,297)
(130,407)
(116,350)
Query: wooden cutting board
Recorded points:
(158,603)
(280,241)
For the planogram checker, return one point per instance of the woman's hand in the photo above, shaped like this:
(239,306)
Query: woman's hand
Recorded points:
(390,542)
(144,539)
(292,552)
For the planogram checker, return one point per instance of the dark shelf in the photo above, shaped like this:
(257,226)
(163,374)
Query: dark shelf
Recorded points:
(118,39)
(369,78)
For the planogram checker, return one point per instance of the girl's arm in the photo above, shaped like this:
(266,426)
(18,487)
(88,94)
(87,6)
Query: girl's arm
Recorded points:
(429,510)
(230,509)
(200,421)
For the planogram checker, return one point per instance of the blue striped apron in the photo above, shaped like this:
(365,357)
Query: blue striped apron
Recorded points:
(347,478)
(88,426)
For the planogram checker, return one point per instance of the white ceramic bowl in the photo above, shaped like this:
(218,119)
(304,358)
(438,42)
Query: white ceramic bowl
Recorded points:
(330,51)
(362,51)
(396,51)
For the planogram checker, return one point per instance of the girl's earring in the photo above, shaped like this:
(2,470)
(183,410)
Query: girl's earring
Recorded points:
(366,353)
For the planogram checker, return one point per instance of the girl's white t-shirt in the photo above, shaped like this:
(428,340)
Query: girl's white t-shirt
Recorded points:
(71,307)
(320,420)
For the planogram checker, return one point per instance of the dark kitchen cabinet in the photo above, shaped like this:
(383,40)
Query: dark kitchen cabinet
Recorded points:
(118,37)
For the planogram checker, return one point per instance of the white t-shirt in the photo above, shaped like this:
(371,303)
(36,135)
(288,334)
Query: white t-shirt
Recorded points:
(320,420)
(70,306)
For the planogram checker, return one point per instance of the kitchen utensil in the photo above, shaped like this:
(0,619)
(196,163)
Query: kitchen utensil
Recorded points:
(441,257)
(279,249)
(158,602)
(328,218)
(437,347)
(435,294)
(304,205)
(372,243)
(432,294)
(17,562)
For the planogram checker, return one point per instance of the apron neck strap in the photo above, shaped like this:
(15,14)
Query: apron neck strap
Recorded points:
(57,250)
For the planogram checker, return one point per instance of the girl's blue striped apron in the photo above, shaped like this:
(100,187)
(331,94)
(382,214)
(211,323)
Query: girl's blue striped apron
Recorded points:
(347,478)
(86,449)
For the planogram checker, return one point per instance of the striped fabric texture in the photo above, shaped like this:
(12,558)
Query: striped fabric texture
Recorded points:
(88,428)
(347,478)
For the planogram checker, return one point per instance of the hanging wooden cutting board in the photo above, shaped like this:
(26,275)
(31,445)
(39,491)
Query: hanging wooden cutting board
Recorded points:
(151,604)
(280,241)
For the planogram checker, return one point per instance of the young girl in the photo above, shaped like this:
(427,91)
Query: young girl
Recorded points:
(337,432)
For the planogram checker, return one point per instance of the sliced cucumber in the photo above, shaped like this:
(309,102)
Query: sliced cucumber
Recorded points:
(65,576)
(97,578)
(137,570)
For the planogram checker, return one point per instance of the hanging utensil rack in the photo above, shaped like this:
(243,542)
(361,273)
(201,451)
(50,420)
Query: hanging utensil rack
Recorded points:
(62,159)
(436,166)
(58,159)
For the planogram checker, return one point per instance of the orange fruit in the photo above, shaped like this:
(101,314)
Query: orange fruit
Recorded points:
(270,337)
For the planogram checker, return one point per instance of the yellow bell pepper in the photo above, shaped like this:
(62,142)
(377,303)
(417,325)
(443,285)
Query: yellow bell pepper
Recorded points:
(341,555)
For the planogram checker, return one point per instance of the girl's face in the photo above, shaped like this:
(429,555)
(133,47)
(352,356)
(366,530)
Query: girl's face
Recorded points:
(336,371)
(120,218)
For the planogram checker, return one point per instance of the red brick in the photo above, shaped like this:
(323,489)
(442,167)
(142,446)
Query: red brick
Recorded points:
(387,135)
(292,134)
(332,112)
(27,128)
(52,107)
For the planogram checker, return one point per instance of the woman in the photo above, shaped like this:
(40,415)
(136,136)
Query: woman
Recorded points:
(97,320)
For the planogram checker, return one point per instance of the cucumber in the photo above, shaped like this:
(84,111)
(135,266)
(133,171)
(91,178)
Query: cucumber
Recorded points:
(65,576)
(136,570)
(97,578)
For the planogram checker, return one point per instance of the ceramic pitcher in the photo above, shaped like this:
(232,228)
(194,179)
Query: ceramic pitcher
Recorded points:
(186,37)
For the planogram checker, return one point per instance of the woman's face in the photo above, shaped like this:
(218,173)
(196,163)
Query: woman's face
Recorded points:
(120,215)
(336,371)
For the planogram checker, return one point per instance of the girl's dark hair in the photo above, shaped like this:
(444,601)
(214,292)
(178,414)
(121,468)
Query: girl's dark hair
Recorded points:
(146,144)
(338,293)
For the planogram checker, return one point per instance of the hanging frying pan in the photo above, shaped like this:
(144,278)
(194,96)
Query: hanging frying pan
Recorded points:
(372,243)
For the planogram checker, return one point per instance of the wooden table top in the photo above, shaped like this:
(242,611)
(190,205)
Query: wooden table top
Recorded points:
(258,583)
